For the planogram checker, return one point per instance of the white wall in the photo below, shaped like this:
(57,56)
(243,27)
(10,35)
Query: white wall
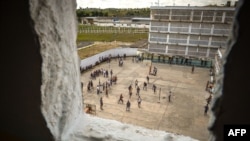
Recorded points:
(114,52)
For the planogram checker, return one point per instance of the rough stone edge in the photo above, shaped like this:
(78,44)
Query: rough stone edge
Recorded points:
(56,27)
(218,97)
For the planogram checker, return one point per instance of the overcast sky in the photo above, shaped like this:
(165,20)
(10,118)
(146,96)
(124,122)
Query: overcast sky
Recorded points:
(144,3)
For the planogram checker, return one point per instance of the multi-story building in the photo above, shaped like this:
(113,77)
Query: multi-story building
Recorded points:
(191,32)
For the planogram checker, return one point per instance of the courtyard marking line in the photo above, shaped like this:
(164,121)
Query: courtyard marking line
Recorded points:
(158,127)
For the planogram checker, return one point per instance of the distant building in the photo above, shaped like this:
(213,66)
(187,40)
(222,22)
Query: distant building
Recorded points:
(117,21)
(186,31)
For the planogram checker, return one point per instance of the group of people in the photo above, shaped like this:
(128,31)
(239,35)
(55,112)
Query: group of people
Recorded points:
(137,59)
(208,100)
(210,89)
(206,108)
(184,61)
(90,86)
(99,72)
(130,90)
(107,85)
(128,104)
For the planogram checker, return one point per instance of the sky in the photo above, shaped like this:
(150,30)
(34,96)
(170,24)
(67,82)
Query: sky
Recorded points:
(144,3)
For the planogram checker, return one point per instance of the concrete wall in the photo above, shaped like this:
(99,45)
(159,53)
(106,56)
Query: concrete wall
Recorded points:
(55,25)
(233,92)
(113,52)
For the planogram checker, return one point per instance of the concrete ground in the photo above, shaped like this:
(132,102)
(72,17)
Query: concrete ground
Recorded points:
(183,115)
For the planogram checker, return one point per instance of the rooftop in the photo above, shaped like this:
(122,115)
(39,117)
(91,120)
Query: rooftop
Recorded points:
(193,8)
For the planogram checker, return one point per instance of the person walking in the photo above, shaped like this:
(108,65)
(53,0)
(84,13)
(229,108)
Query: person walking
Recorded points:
(120,99)
(128,106)
(101,103)
(139,102)
(147,79)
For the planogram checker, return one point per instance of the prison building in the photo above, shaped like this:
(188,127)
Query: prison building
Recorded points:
(189,31)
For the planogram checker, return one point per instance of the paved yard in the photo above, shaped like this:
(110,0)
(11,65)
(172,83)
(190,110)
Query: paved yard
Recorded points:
(184,115)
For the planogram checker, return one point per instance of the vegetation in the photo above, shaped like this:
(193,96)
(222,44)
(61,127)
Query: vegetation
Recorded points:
(113,12)
(109,34)
(95,49)
(110,28)
(109,37)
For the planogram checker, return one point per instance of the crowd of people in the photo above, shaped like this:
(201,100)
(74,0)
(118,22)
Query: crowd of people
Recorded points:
(105,87)
(210,90)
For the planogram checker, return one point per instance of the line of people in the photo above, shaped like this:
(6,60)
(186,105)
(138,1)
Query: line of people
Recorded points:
(128,104)
(99,72)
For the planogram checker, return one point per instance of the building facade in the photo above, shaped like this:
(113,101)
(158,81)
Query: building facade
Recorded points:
(196,32)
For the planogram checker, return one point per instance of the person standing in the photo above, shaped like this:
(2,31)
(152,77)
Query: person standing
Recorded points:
(130,94)
(128,106)
(154,88)
(193,69)
(147,79)
(169,96)
(106,92)
(209,99)
(138,91)
(97,89)
(144,86)
(103,86)
(111,73)
(101,103)
(120,99)
(139,102)
(82,85)
(206,109)
(136,83)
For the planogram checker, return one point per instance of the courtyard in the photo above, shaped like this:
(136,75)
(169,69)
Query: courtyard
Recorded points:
(183,115)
